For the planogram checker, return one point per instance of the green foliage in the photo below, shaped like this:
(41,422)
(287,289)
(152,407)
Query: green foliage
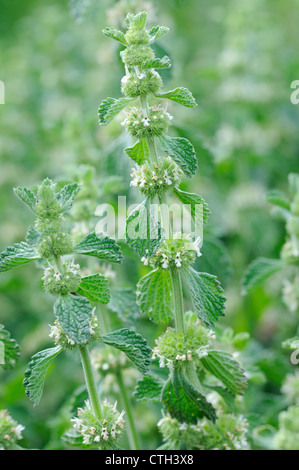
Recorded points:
(149,388)
(133,345)
(99,246)
(74,315)
(138,152)
(182,152)
(259,271)
(154,296)
(17,255)
(35,375)
(206,294)
(9,348)
(143,231)
(95,287)
(179,95)
(110,108)
(225,368)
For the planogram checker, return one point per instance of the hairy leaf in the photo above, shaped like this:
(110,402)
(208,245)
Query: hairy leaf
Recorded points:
(8,348)
(157,32)
(143,230)
(138,152)
(110,108)
(17,255)
(157,63)
(258,271)
(180,95)
(133,345)
(36,373)
(206,295)
(183,402)
(154,296)
(74,314)
(225,368)
(99,246)
(149,388)
(26,196)
(113,33)
(95,288)
(181,151)
(193,200)
(67,195)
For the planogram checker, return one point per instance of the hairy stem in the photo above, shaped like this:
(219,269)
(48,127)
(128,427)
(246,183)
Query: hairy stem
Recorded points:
(90,382)
(178,300)
(132,431)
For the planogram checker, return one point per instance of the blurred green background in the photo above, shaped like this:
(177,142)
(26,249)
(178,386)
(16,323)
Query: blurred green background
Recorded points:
(238,58)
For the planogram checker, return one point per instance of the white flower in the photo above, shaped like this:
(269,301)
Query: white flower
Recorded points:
(145,121)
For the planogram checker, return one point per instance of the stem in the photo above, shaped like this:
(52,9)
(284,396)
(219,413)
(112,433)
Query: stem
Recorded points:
(178,300)
(132,431)
(90,382)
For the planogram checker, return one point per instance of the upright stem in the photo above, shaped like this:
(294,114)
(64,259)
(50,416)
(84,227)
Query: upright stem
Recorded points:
(90,382)
(132,431)
(178,300)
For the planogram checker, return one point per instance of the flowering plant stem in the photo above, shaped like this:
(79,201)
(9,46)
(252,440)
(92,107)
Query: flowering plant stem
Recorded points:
(90,381)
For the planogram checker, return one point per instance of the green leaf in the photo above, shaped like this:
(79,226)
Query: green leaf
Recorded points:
(183,402)
(115,34)
(149,388)
(157,63)
(181,151)
(225,368)
(193,200)
(67,195)
(110,108)
(33,236)
(278,199)
(17,255)
(143,231)
(99,246)
(123,303)
(74,314)
(26,196)
(206,295)
(139,20)
(35,375)
(133,345)
(228,397)
(154,296)
(9,349)
(258,271)
(138,152)
(157,32)
(95,288)
(180,95)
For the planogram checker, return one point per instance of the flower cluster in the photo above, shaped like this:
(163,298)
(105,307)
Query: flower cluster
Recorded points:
(177,252)
(291,388)
(155,123)
(55,245)
(174,349)
(290,252)
(100,433)
(62,281)
(10,431)
(229,433)
(137,84)
(152,179)
(48,209)
(60,338)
